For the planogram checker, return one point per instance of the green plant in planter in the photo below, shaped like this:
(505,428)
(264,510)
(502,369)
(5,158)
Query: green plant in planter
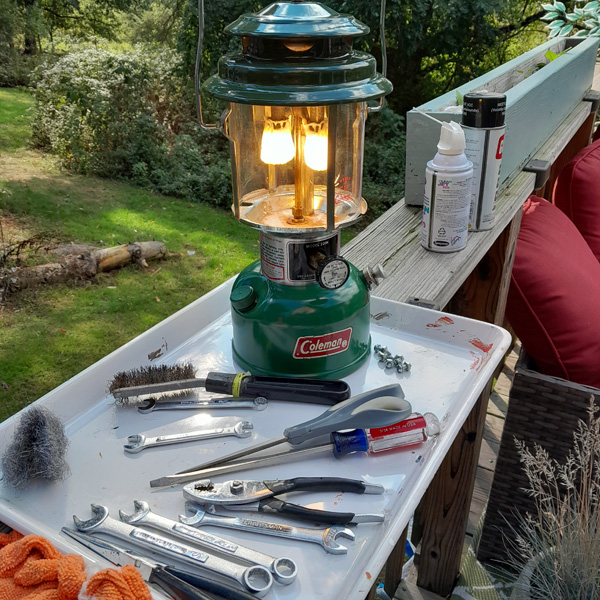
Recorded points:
(558,549)
(571,19)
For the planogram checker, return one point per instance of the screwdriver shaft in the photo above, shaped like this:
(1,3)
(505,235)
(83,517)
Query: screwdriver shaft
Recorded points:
(262,461)
(227,458)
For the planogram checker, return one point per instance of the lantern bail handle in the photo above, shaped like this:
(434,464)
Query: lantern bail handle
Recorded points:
(379,106)
(197,69)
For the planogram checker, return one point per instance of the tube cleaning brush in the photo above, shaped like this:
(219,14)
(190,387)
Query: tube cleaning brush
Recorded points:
(133,387)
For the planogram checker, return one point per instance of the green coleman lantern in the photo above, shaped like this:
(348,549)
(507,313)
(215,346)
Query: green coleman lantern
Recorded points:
(298,97)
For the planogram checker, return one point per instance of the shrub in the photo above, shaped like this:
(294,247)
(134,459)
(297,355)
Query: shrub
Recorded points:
(383,175)
(92,106)
(128,116)
(558,547)
(584,21)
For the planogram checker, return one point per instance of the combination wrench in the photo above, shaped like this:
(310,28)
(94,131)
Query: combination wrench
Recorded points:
(151,405)
(256,579)
(326,538)
(138,442)
(284,569)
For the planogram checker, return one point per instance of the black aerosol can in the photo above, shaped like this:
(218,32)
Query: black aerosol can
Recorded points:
(483,123)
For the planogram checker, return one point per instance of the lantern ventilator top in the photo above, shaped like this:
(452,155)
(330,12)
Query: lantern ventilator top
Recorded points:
(298,97)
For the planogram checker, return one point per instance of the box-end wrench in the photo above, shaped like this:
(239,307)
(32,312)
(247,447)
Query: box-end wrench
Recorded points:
(284,569)
(151,405)
(256,579)
(138,442)
(326,538)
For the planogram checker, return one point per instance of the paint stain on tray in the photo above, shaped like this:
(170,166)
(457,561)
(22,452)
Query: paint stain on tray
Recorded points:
(159,352)
(480,359)
(441,322)
(479,344)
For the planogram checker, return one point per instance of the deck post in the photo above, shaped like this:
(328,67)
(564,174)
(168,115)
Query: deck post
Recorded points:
(447,501)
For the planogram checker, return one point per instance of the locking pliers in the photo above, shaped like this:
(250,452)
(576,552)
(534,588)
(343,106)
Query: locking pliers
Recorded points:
(259,496)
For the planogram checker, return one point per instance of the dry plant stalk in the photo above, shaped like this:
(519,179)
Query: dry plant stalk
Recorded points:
(562,540)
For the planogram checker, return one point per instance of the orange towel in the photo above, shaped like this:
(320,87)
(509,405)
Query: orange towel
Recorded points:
(31,568)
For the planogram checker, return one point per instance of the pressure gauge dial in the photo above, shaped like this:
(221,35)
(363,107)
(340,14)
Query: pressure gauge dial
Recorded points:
(333,272)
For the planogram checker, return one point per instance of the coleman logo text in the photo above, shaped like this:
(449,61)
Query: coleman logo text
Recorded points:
(323,345)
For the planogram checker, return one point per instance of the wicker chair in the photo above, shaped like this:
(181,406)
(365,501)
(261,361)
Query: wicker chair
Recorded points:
(542,410)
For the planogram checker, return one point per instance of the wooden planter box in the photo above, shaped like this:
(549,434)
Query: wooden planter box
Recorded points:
(537,101)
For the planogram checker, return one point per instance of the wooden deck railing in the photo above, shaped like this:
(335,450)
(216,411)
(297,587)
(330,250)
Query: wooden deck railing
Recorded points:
(474,283)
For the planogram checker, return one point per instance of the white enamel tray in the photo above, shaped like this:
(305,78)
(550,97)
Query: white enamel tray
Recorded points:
(452,359)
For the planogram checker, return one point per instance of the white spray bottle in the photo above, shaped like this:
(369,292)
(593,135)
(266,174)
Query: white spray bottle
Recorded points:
(447,193)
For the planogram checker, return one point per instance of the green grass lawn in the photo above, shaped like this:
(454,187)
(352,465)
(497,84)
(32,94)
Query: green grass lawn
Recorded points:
(50,334)
(14,119)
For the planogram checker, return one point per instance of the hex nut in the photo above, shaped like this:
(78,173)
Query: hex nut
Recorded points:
(236,487)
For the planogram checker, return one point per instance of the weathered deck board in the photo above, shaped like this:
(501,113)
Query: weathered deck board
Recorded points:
(424,274)
(409,591)
(498,403)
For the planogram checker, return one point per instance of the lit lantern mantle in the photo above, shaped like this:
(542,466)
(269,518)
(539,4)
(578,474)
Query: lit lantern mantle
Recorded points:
(297,98)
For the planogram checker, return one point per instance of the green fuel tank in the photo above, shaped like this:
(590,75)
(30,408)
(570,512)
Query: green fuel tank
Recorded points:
(303,331)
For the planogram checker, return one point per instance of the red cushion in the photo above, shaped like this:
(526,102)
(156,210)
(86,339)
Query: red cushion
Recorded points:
(577,194)
(554,295)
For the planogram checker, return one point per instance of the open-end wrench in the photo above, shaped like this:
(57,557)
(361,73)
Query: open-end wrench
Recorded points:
(324,537)
(148,406)
(256,579)
(284,569)
(138,442)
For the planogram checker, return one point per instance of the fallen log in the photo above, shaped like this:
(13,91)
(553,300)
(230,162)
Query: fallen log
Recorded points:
(79,262)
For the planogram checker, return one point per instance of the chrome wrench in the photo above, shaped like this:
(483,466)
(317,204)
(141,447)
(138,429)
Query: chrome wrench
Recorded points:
(284,570)
(256,579)
(151,405)
(138,442)
(326,538)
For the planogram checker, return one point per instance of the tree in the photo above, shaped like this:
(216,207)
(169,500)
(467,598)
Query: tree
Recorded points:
(431,46)
(156,21)
(434,46)
(81,17)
